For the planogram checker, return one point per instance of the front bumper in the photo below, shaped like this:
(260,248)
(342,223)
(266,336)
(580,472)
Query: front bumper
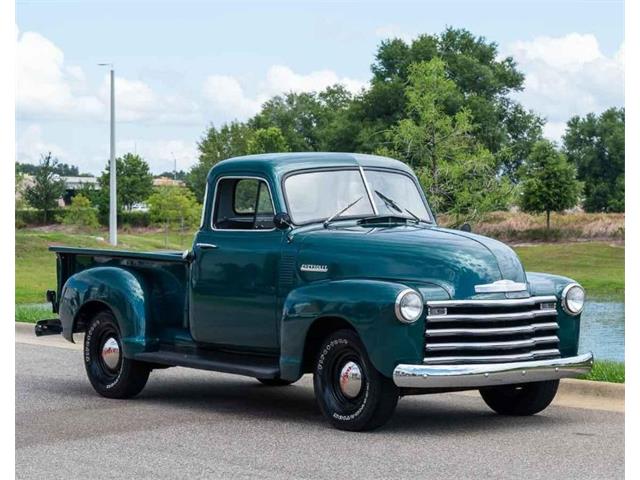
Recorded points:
(484,375)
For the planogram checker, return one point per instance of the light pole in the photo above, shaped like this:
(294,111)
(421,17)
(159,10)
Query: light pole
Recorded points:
(113,199)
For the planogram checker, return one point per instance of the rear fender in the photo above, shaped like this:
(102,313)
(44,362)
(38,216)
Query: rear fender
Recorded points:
(118,289)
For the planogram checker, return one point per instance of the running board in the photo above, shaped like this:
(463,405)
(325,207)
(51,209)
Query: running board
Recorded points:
(250,366)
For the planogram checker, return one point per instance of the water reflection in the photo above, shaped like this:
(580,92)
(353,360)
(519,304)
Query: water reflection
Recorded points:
(602,330)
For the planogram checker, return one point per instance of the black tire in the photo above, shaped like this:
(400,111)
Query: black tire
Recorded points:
(522,399)
(367,408)
(125,378)
(274,382)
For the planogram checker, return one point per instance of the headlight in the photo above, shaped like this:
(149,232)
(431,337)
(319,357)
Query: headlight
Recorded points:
(408,306)
(573,299)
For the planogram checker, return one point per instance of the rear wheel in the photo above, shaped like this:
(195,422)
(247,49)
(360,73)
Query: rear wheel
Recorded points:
(349,390)
(110,373)
(523,399)
(274,382)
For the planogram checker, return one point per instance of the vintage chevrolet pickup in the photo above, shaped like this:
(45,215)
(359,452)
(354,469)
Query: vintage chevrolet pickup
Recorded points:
(331,264)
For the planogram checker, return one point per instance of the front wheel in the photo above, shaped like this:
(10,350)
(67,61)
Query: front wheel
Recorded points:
(110,373)
(522,399)
(349,390)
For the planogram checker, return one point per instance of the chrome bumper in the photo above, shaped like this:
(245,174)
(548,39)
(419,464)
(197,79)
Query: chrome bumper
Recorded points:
(484,375)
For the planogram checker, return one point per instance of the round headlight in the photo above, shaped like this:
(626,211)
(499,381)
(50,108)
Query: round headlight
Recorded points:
(573,299)
(408,306)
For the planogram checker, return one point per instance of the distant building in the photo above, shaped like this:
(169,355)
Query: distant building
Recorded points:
(167,182)
(73,184)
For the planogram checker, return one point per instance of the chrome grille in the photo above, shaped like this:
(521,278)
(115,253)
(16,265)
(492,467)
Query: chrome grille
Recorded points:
(490,331)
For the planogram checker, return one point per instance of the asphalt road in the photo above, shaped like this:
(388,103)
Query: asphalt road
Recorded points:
(191,424)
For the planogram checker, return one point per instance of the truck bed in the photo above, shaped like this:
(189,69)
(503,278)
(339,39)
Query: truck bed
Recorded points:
(164,273)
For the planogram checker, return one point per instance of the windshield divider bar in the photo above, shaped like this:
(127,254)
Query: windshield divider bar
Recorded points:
(366,186)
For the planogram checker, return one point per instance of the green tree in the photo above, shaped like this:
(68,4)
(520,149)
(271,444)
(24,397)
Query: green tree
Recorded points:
(457,172)
(309,121)
(47,188)
(267,140)
(217,145)
(595,145)
(135,182)
(173,206)
(80,213)
(549,182)
(484,82)
(62,169)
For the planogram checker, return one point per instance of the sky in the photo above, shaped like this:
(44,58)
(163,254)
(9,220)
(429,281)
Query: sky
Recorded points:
(182,66)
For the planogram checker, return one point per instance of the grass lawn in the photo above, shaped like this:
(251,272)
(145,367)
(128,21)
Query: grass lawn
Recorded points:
(597,266)
(606,371)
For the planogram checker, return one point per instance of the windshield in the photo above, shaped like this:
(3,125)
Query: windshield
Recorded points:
(398,188)
(317,196)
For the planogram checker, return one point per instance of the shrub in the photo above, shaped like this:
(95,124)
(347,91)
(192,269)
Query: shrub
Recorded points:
(80,213)
(34,218)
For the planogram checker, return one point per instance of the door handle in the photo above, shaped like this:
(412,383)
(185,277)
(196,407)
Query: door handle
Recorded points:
(206,246)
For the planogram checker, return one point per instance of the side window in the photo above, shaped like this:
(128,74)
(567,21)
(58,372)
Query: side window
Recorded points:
(244,200)
(243,204)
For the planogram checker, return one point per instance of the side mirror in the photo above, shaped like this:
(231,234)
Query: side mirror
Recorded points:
(465,227)
(282,221)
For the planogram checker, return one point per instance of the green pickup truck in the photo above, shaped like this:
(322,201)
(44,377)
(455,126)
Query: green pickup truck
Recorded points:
(331,264)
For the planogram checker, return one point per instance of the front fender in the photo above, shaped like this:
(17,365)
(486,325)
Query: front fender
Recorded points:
(367,305)
(569,331)
(120,290)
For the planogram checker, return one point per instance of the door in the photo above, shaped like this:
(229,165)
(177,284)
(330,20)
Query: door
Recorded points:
(234,273)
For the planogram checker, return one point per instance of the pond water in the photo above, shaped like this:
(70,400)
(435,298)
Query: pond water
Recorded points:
(602,330)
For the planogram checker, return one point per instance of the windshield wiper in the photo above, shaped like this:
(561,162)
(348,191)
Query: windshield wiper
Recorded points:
(337,214)
(391,204)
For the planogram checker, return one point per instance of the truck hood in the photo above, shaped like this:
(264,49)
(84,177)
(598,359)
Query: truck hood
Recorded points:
(412,254)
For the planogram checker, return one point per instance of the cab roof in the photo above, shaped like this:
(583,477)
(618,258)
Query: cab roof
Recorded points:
(282,163)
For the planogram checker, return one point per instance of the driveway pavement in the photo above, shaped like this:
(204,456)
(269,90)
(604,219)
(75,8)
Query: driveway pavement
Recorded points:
(193,424)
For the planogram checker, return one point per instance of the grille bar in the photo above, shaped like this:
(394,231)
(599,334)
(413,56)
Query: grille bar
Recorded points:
(520,357)
(519,302)
(492,317)
(527,329)
(507,345)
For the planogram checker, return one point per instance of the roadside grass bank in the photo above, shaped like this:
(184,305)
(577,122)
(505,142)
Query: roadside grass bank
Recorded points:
(606,371)
(31,313)
(597,266)
(516,227)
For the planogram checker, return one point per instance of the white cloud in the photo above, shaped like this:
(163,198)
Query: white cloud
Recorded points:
(554,130)
(44,86)
(48,88)
(282,79)
(30,146)
(393,31)
(230,100)
(160,154)
(136,101)
(568,76)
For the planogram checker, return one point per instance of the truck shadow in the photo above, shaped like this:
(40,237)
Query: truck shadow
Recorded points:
(440,414)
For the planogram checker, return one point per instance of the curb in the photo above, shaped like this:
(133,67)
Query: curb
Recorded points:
(588,388)
(25,327)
